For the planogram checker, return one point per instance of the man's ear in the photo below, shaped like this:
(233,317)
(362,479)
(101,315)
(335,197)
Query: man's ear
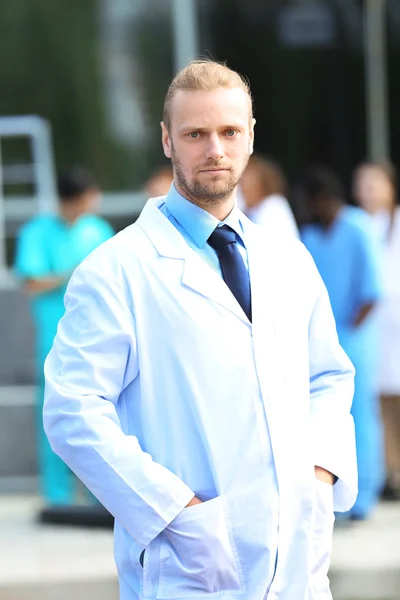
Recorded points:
(251,141)
(166,140)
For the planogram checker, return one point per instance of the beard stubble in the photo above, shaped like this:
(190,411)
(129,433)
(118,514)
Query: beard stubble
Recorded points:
(202,194)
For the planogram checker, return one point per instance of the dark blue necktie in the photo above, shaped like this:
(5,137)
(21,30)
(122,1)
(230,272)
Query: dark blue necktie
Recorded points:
(234,272)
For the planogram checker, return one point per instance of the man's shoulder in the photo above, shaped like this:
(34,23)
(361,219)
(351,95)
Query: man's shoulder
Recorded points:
(39,224)
(94,220)
(110,265)
(275,244)
(357,220)
(117,246)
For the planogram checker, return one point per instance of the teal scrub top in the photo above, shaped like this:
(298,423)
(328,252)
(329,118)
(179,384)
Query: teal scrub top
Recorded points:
(49,246)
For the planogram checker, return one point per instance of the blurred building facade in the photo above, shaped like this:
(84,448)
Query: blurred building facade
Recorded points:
(98,71)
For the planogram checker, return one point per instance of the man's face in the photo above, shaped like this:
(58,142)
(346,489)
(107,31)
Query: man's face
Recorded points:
(209,143)
(321,208)
(373,190)
(89,201)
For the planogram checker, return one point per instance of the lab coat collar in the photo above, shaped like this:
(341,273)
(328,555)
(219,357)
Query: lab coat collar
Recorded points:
(197,222)
(197,274)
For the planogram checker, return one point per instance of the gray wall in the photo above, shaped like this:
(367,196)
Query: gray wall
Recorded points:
(18,466)
(17,365)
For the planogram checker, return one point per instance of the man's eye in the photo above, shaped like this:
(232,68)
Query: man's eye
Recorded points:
(194,134)
(231,133)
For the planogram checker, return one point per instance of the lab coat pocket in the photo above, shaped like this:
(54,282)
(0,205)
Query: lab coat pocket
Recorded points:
(198,555)
(321,540)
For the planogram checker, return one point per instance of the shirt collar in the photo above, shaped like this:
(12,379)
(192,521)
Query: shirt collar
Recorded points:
(197,222)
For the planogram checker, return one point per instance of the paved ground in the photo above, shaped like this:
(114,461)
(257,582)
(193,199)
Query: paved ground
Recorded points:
(57,563)
(366,558)
(52,563)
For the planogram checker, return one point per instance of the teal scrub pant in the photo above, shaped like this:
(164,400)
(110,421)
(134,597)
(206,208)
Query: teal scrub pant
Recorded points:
(57,485)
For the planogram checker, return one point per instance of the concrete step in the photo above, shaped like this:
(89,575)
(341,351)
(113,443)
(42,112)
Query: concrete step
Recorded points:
(17,361)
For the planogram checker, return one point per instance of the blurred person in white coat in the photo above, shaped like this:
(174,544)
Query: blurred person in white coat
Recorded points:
(197,385)
(264,189)
(375,190)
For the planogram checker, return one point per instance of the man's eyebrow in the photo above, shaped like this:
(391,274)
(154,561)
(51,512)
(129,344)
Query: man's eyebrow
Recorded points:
(205,129)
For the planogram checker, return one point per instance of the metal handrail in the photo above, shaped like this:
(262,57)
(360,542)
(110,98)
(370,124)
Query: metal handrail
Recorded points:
(41,172)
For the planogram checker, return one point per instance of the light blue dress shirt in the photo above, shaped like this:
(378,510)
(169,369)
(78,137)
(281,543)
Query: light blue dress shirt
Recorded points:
(196,225)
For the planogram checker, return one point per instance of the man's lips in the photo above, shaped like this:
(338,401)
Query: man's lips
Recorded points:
(214,170)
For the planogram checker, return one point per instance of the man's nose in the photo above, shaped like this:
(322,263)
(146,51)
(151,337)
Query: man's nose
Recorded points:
(214,148)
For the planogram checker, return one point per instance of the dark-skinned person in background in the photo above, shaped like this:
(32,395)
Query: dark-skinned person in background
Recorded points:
(340,238)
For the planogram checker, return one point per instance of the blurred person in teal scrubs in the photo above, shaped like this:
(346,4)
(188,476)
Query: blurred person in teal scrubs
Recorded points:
(49,248)
(342,243)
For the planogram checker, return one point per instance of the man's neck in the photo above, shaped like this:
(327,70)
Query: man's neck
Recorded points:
(333,215)
(69,214)
(218,209)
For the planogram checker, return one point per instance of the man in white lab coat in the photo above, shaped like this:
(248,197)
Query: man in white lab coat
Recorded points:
(196,384)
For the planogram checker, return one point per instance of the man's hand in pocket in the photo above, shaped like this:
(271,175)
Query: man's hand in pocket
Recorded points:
(193,501)
(324,475)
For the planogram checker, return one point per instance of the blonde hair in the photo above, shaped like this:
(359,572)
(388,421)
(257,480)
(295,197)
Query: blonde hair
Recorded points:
(207,76)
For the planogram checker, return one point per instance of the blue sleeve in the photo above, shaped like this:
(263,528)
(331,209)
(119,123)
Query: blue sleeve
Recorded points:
(306,234)
(368,285)
(31,259)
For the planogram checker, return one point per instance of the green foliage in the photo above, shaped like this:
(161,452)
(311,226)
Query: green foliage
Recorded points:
(51,67)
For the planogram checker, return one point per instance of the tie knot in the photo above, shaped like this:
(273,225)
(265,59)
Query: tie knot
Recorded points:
(222,236)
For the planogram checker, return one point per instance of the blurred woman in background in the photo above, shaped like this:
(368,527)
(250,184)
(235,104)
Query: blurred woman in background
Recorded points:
(375,190)
(263,187)
(159,182)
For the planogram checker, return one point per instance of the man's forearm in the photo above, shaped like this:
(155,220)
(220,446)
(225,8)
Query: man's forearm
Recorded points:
(34,287)
(363,313)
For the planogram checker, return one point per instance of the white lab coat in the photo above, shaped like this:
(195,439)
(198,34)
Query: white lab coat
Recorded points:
(388,310)
(158,387)
(275,215)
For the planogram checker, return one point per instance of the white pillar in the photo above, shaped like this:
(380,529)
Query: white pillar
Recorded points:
(185,35)
(376,80)
(46,189)
(2,226)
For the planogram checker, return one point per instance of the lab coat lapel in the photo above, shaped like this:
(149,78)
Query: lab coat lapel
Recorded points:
(197,274)
(262,280)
